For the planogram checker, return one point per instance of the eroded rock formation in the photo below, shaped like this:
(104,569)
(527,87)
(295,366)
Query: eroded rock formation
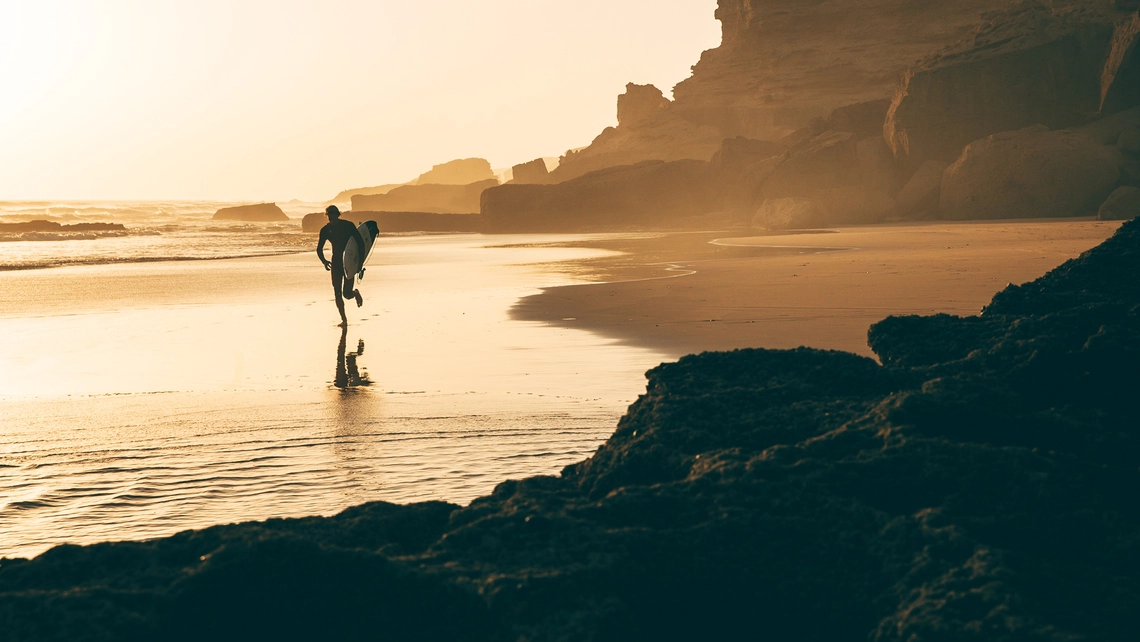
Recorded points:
(457,172)
(978,484)
(530,172)
(261,212)
(649,195)
(780,64)
(431,197)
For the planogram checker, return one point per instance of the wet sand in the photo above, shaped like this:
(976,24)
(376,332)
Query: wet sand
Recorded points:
(682,295)
(142,399)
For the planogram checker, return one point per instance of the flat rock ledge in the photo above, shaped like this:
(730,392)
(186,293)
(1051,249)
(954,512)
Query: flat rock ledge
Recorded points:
(978,484)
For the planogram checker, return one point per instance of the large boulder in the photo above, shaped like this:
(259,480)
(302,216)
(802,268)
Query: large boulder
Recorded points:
(920,194)
(649,195)
(1054,65)
(1121,205)
(828,160)
(435,198)
(789,213)
(1029,173)
(533,172)
(829,207)
(261,212)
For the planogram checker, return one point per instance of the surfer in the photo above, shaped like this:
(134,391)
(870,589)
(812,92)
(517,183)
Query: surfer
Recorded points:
(338,233)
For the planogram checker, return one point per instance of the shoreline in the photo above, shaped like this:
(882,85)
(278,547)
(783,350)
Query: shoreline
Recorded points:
(831,286)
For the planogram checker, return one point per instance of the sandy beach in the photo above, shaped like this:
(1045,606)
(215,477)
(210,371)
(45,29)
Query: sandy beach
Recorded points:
(142,399)
(822,290)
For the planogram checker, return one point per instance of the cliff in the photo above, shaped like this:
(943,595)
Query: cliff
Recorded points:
(780,64)
(346,195)
(977,484)
(649,195)
(1058,65)
(463,171)
(457,172)
(431,197)
(261,212)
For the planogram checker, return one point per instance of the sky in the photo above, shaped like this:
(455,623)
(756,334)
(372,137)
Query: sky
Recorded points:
(251,100)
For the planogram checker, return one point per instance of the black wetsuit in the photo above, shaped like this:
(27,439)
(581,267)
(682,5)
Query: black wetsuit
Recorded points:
(339,233)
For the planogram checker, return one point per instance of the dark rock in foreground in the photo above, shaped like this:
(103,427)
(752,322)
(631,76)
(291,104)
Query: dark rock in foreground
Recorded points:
(981,484)
(261,212)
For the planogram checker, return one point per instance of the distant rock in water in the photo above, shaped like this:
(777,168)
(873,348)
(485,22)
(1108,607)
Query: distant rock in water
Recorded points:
(432,197)
(978,483)
(457,172)
(51,226)
(261,212)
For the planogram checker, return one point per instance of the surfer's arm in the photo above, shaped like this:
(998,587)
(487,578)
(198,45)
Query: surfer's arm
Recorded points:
(321,251)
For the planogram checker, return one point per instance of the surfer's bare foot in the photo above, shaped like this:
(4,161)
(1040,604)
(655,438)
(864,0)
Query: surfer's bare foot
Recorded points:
(359,299)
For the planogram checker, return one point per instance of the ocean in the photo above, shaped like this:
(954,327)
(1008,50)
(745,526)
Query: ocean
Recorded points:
(188,372)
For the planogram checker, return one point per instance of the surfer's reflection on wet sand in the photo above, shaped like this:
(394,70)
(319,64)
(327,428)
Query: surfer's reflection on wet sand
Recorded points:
(348,375)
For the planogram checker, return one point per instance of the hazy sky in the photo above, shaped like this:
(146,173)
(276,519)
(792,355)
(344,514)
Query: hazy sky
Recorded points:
(260,99)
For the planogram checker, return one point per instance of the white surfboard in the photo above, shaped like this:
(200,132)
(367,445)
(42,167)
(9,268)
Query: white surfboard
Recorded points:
(354,258)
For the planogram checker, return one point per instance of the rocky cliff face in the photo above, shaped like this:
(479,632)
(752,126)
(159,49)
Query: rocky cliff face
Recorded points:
(1057,65)
(979,483)
(780,64)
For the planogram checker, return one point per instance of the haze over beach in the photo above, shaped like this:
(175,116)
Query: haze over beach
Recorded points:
(688,320)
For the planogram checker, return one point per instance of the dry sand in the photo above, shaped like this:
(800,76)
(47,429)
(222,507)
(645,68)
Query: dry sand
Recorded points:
(822,290)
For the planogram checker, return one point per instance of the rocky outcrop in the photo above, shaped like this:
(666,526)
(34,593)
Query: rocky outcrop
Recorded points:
(52,226)
(639,104)
(405,222)
(1057,65)
(978,483)
(532,172)
(346,195)
(650,195)
(1029,173)
(1121,205)
(780,64)
(432,198)
(464,171)
(261,212)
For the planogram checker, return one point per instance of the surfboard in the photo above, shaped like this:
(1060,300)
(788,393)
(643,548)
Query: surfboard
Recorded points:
(354,258)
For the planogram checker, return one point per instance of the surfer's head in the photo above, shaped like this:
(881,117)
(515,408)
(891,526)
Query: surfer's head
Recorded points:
(333,212)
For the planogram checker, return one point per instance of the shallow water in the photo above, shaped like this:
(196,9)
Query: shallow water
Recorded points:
(142,399)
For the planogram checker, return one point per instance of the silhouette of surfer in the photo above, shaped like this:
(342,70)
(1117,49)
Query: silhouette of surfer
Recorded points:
(338,233)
